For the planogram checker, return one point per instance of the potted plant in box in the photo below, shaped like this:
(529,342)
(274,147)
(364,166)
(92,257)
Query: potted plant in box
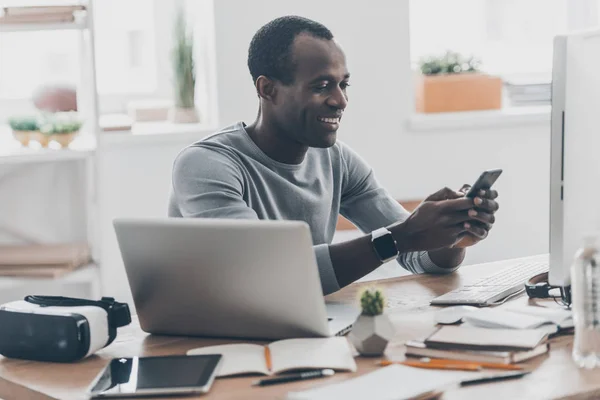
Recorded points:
(61,127)
(453,82)
(372,330)
(24,128)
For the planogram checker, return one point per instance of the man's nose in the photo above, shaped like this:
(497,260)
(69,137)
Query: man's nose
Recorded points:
(338,99)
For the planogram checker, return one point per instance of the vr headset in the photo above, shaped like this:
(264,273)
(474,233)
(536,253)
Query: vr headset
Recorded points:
(59,329)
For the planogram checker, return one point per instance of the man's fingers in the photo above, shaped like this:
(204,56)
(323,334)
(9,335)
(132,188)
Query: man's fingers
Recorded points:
(463,203)
(482,216)
(483,225)
(465,188)
(475,230)
(444,194)
(486,204)
(490,194)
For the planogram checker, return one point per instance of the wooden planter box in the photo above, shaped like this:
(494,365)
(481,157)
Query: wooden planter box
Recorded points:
(459,92)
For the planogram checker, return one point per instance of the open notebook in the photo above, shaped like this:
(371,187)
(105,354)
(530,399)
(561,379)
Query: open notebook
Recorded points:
(284,355)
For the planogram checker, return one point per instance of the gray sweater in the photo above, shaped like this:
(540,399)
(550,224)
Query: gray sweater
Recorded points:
(227,176)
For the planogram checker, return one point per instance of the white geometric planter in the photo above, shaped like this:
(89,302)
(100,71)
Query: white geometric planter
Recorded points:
(371,334)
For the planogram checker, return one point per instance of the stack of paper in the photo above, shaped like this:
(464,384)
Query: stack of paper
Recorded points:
(50,260)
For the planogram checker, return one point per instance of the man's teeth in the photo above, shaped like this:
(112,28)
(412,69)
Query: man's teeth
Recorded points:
(329,120)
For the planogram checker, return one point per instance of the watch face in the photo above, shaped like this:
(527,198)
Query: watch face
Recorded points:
(385,247)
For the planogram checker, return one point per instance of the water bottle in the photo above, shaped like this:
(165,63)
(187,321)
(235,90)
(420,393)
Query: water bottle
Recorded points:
(585,286)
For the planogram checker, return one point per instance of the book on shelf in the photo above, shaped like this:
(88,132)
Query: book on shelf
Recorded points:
(37,19)
(41,10)
(416,348)
(42,260)
(282,356)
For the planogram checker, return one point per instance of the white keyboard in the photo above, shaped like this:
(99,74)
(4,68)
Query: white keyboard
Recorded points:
(495,287)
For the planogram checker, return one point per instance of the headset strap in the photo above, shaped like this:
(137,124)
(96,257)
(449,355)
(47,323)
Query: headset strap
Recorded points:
(118,313)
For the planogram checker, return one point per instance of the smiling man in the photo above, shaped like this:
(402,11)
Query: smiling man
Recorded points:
(289,165)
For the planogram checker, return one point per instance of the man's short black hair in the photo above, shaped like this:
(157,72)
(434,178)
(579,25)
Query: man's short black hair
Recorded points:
(270,52)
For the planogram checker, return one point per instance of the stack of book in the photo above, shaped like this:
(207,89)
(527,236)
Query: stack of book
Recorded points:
(528,91)
(47,261)
(40,14)
(481,345)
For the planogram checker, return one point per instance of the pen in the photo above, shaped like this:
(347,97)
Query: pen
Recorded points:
(494,378)
(295,377)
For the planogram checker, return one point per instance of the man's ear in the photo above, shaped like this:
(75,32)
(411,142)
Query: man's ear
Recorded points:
(266,88)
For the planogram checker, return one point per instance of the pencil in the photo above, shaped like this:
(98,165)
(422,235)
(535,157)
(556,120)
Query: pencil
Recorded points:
(489,365)
(456,367)
(458,362)
(268,358)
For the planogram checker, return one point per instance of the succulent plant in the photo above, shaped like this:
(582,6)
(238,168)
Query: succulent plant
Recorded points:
(23,123)
(448,63)
(372,302)
(184,70)
(60,123)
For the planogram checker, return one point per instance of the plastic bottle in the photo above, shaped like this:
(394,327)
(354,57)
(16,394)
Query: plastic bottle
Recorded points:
(585,286)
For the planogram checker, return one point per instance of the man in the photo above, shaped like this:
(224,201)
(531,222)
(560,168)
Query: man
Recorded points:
(287,164)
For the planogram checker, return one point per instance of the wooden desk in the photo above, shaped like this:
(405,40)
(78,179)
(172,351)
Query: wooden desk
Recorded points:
(554,375)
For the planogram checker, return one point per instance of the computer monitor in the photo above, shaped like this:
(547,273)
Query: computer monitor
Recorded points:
(575,148)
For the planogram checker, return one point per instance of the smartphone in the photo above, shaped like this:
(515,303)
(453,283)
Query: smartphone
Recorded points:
(161,375)
(485,181)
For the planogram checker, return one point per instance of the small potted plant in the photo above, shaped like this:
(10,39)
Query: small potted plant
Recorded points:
(372,330)
(61,127)
(453,82)
(184,73)
(24,128)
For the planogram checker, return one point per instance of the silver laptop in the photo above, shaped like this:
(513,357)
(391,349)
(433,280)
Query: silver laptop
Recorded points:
(227,278)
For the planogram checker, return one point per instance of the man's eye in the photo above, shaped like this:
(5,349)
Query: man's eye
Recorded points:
(320,89)
(344,85)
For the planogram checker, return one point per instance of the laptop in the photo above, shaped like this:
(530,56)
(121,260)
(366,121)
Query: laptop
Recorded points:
(227,278)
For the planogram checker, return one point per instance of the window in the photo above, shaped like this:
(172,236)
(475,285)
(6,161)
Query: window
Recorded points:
(125,52)
(512,38)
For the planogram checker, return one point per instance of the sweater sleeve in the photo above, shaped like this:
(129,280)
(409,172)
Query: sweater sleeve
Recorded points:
(369,206)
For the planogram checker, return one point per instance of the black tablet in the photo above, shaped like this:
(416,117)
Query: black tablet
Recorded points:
(163,375)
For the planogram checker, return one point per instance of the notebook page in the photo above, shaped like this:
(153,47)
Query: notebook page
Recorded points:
(290,354)
(558,316)
(237,358)
(389,383)
(495,318)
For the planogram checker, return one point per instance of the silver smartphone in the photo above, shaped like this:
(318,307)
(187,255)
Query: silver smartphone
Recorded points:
(162,375)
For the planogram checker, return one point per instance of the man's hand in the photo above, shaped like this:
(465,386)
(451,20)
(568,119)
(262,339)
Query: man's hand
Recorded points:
(483,217)
(441,221)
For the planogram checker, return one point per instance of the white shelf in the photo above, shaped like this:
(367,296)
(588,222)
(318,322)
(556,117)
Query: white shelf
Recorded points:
(12,152)
(31,27)
(512,116)
(85,274)
(156,133)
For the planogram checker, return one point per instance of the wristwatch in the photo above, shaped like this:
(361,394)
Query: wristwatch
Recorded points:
(384,244)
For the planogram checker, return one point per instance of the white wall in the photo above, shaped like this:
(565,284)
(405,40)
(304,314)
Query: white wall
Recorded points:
(411,165)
